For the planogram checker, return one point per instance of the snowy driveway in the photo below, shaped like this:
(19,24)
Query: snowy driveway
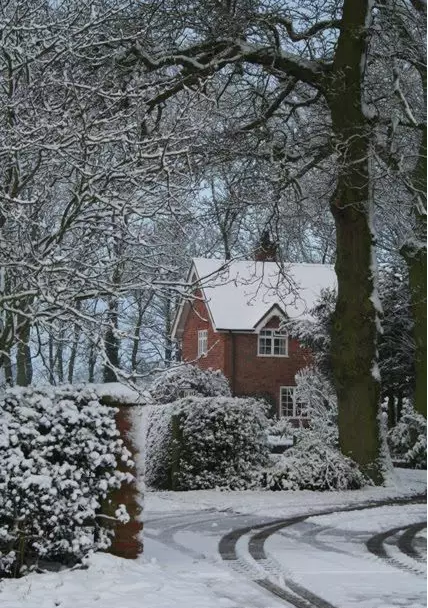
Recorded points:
(255,549)
(334,556)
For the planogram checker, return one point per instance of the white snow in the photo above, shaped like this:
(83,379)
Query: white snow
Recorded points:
(112,582)
(121,392)
(242,292)
(182,567)
(280,504)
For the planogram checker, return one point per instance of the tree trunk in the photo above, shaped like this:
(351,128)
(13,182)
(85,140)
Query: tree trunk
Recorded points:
(60,354)
(168,324)
(137,329)
(8,370)
(111,342)
(415,255)
(24,366)
(354,333)
(73,353)
(51,359)
(92,359)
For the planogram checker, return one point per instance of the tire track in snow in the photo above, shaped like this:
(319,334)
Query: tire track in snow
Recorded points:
(291,592)
(406,535)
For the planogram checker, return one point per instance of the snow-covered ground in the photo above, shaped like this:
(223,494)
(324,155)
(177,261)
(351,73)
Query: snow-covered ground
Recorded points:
(284,504)
(326,558)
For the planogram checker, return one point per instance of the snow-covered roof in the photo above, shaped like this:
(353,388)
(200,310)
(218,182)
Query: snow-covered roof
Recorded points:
(240,293)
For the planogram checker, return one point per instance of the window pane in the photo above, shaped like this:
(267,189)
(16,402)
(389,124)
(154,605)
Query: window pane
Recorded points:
(287,401)
(280,346)
(265,346)
(202,342)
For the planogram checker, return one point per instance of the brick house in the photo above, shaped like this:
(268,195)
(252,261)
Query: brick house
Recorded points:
(232,321)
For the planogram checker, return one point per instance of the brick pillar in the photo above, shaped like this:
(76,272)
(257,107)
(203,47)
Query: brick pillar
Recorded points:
(127,541)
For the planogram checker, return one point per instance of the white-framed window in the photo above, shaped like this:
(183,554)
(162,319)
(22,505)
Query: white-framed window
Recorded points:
(272,343)
(202,342)
(188,392)
(289,405)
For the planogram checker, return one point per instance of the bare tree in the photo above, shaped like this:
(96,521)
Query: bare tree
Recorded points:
(85,170)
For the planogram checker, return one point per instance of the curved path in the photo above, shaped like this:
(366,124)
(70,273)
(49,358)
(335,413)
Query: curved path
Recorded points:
(263,551)
(292,592)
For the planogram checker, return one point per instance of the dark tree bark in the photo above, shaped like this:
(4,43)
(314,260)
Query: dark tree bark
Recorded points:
(415,255)
(92,359)
(354,335)
(8,370)
(111,343)
(73,352)
(60,353)
(24,366)
(168,325)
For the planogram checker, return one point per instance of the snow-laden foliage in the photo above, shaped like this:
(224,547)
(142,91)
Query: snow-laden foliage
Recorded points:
(177,382)
(158,445)
(206,442)
(317,393)
(324,468)
(396,343)
(59,450)
(315,333)
(408,439)
(314,462)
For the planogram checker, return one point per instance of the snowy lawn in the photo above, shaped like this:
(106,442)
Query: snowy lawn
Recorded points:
(285,504)
(112,582)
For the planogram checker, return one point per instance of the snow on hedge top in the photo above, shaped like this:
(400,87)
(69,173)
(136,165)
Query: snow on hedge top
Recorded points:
(117,392)
(240,293)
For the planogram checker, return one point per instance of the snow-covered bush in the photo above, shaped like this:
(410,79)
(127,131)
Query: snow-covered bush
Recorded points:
(322,468)
(281,427)
(58,454)
(206,442)
(177,382)
(158,445)
(408,439)
(314,462)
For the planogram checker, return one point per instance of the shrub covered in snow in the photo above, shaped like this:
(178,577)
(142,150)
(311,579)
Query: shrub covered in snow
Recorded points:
(58,454)
(314,462)
(206,442)
(408,439)
(322,468)
(158,445)
(177,382)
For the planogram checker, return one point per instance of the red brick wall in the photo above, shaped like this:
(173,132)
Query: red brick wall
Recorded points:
(265,375)
(198,319)
(253,375)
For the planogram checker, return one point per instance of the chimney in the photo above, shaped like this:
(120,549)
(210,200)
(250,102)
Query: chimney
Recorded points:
(266,250)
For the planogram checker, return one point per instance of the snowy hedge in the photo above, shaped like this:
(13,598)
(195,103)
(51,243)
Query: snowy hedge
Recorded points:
(314,462)
(408,439)
(206,442)
(58,453)
(174,383)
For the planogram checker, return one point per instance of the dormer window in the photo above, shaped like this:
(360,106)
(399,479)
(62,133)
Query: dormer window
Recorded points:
(202,342)
(272,343)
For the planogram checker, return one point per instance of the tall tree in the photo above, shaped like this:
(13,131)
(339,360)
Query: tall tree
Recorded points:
(402,147)
(322,51)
